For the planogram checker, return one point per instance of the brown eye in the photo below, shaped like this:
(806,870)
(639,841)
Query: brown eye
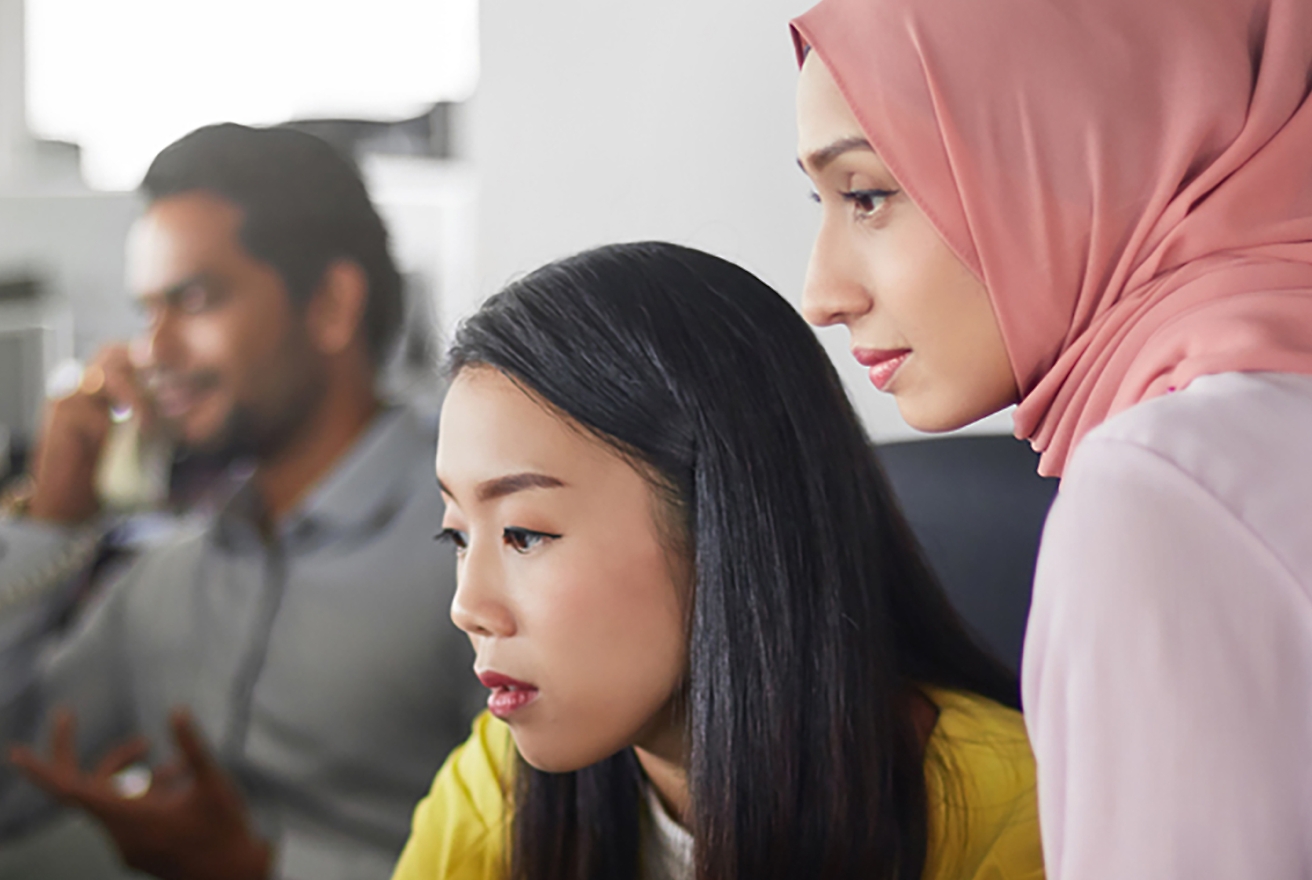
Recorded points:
(524,540)
(193,299)
(865,202)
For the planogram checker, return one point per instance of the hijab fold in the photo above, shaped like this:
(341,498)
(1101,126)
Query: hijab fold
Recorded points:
(1130,179)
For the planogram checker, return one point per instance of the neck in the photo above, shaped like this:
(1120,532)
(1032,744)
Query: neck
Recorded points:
(664,759)
(924,714)
(664,756)
(284,478)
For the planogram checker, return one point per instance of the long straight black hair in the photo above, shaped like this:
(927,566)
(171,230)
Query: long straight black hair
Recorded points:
(813,613)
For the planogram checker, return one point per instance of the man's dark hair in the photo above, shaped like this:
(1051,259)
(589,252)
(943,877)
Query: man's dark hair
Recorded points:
(304,206)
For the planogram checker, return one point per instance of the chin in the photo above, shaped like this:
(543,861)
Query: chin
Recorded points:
(547,759)
(930,418)
(551,755)
(205,440)
(225,434)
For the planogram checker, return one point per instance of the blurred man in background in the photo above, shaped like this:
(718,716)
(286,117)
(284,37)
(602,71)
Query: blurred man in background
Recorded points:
(286,668)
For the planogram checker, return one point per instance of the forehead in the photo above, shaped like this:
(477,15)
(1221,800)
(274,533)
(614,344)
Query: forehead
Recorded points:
(823,116)
(491,427)
(180,236)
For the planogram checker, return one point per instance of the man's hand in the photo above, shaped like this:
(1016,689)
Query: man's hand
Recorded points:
(73,436)
(190,824)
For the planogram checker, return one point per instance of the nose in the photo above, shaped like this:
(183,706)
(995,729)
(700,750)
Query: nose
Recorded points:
(480,606)
(160,344)
(834,291)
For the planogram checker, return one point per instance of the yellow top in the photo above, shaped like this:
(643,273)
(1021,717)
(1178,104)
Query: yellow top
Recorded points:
(986,829)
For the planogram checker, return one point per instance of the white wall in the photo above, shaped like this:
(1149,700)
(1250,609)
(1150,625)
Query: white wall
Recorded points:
(124,78)
(14,139)
(75,244)
(429,208)
(609,120)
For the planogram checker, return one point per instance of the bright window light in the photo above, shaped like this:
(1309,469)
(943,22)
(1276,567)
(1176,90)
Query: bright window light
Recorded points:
(125,78)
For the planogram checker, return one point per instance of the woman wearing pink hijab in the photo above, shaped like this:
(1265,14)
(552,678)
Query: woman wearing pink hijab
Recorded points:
(1102,210)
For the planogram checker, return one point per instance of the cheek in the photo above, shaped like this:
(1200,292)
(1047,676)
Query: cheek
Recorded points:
(205,339)
(623,627)
(955,321)
(247,345)
(610,643)
(616,623)
(908,266)
(203,343)
(961,371)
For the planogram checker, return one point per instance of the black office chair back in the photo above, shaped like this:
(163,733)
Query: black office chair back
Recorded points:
(977,505)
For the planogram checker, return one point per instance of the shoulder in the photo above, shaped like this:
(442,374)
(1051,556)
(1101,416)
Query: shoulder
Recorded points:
(401,447)
(459,829)
(1227,458)
(1220,418)
(981,788)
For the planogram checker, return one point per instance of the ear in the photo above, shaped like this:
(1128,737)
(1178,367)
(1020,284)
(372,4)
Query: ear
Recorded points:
(336,312)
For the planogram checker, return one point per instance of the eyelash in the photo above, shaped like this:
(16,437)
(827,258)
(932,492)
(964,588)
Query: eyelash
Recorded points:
(518,539)
(876,196)
(524,540)
(454,537)
(857,196)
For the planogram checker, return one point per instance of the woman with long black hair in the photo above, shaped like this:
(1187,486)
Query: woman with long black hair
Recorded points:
(704,624)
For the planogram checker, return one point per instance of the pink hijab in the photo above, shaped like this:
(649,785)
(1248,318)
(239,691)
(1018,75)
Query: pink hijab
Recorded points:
(1131,180)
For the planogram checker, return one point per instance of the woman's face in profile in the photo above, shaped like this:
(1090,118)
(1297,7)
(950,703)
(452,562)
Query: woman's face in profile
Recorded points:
(919,319)
(565,587)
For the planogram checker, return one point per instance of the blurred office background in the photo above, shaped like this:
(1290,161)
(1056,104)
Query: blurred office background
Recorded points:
(495,136)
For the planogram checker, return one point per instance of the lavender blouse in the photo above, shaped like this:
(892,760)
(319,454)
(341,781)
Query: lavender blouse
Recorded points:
(1168,664)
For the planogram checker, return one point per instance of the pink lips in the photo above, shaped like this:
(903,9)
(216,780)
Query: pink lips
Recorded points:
(883,363)
(508,695)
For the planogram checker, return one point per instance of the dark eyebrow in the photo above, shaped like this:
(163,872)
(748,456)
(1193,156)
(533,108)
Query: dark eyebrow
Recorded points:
(823,156)
(509,485)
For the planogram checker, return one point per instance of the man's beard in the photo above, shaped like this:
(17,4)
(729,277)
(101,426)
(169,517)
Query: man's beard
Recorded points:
(249,434)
